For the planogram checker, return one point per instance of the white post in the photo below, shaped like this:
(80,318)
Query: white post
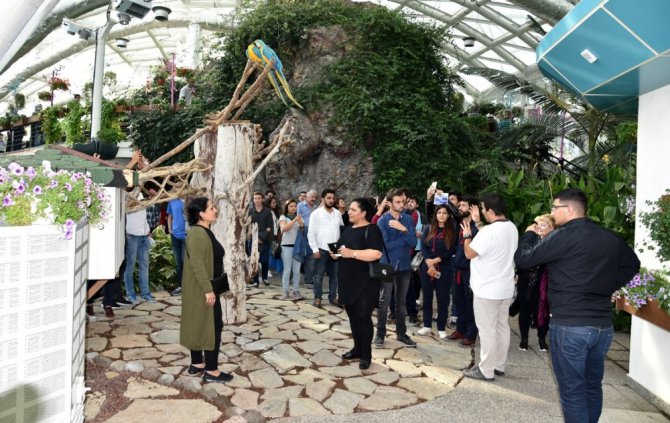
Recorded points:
(98,77)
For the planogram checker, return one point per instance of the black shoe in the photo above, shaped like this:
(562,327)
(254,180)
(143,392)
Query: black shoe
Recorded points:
(364,364)
(122,303)
(391,317)
(176,292)
(335,303)
(223,377)
(379,340)
(412,320)
(192,370)
(255,285)
(265,282)
(543,345)
(350,355)
(523,346)
(406,340)
(498,372)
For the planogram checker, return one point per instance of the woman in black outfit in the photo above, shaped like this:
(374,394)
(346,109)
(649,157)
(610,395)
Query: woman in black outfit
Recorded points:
(359,244)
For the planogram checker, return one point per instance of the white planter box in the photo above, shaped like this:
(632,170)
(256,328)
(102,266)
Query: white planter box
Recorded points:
(649,346)
(42,323)
(107,239)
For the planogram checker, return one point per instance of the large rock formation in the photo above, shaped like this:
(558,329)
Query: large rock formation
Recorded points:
(322,155)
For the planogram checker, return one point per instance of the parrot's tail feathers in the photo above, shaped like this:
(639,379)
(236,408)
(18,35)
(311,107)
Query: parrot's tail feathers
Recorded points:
(287,89)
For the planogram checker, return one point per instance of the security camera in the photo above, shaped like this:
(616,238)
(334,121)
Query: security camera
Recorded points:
(71,27)
(84,34)
(161,13)
(122,42)
(124,18)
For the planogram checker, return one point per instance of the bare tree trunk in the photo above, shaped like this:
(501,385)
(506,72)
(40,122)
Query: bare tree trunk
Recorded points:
(230,150)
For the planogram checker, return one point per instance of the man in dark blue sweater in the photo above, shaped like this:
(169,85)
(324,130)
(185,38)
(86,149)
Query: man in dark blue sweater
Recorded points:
(399,239)
(586,264)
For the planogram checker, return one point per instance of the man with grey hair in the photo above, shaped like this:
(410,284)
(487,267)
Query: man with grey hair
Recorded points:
(305,209)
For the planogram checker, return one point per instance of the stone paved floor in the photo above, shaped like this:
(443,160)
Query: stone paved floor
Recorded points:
(285,358)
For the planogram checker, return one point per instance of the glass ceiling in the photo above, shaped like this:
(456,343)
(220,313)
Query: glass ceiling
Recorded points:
(35,46)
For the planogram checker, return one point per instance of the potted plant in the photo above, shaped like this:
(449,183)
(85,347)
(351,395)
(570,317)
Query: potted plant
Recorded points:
(19,101)
(647,296)
(45,95)
(56,83)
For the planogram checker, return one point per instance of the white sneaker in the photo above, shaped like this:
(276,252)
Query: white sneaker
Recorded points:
(443,334)
(423,331)
(269,274)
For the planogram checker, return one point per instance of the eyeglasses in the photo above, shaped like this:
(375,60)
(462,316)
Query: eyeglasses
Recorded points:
(554,207)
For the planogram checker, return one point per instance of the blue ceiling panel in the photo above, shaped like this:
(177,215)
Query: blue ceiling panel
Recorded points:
(652,27)
(613,104)
(621,35)
(617,50)
(577,13)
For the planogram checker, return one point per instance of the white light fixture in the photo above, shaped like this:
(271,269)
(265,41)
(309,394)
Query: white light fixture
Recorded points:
(468,41)
(161,13)
(122,43)
(588,56)
(124,18)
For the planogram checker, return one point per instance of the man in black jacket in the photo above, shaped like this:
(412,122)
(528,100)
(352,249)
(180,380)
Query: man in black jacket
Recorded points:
(262,216)
(586,263)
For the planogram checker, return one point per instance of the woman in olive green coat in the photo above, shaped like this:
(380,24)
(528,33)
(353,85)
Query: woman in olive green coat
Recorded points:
(201,318)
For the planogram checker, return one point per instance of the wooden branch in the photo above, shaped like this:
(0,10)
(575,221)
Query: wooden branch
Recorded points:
(279,141)
(178,149)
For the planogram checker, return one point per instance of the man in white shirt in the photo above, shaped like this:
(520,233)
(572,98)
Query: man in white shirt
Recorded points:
(324,228)
(492,283)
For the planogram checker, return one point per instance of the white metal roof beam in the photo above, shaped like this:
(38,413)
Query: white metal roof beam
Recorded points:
(126,31)
(550,10)
(157,44)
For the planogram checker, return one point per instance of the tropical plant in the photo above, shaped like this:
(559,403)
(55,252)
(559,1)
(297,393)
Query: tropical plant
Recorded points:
(162,265)
(73,123)
(110,128)
(587,126)
(53,133)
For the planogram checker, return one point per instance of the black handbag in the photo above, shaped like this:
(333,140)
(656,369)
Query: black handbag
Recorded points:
(220,284)
(380,271)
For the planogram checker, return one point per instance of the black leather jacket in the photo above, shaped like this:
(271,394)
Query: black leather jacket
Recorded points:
(586,264)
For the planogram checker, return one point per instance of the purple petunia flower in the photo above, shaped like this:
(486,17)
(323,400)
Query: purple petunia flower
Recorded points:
(31,173)
(53,183)
(68,186)
(37,190)
(7,201)
(68,234)
(15,168)
(69,224)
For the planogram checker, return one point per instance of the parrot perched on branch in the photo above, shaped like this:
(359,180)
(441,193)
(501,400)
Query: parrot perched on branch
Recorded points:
(259,52)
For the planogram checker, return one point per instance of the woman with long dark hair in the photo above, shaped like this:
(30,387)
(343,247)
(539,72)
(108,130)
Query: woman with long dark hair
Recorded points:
(201,317)
(360,243)
(438,245)
(276,261)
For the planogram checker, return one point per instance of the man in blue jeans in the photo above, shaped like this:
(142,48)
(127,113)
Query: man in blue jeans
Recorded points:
(399,239)
(137,249)
(324,228)
(586,265)
(177,229)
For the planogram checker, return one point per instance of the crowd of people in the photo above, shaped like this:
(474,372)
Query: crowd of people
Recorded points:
(459,251)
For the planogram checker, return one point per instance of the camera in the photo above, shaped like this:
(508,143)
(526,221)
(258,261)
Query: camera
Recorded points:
(72,27)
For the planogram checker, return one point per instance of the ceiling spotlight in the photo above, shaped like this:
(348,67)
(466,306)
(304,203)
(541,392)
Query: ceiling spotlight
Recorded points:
(468,41)
(122,42)
(161,13)
(124,18)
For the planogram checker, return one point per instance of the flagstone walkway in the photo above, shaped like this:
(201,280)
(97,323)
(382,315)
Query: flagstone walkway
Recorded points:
(285,360)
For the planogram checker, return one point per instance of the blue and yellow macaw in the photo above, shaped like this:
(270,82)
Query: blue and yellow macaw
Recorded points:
(260,53)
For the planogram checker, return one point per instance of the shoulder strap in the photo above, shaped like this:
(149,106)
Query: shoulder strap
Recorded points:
(384,244)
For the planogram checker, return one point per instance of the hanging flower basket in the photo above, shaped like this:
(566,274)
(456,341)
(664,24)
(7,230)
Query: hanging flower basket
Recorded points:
(647,296)
(45,95)
(185,73)
(57,83)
